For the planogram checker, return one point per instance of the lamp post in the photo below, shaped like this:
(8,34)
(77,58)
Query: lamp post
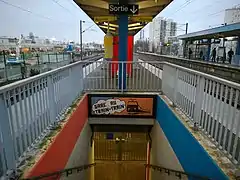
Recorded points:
(81,38)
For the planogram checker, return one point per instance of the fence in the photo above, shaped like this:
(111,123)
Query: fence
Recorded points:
(141,76)
(43,63)
(212,103)
(228,72)
(29,107)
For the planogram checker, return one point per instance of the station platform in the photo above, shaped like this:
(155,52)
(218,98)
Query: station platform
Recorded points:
(225,71)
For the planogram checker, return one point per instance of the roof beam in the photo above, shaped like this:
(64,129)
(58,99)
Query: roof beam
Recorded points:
(152,3)
(93,3)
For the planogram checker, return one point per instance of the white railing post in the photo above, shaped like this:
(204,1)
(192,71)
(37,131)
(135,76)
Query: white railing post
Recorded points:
(199,99)
(175,85)
(168,81)
(122,76)
(81,86)
(72,91)
(8,143)
(164,79)
(51,94)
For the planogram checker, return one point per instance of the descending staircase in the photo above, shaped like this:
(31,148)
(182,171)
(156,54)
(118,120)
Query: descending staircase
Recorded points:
(121,169)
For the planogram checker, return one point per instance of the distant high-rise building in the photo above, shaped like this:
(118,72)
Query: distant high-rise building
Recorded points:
(142,34)
(232,15)
(159,31)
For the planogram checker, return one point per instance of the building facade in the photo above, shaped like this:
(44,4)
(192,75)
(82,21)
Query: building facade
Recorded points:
(232,15)
(159,31)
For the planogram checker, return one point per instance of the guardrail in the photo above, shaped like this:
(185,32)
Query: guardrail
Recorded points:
(31,106)
(229,72)
(64,173)
(47,63)
(141,76)
(158,171)
(212,103)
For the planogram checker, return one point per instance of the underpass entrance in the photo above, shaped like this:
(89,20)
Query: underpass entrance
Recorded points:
(120,155)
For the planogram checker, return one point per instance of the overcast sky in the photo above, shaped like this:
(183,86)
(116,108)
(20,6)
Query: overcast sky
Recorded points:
(60,18)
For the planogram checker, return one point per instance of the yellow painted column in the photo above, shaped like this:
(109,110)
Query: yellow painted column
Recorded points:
(108,46)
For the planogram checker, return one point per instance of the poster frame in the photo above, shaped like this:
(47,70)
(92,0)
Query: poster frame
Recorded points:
(123,96)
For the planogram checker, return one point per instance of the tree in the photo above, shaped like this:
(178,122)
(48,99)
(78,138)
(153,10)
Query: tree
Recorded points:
(32,37)
(141,45)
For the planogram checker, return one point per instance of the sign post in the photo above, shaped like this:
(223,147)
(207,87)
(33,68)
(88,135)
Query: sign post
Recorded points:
(130,9)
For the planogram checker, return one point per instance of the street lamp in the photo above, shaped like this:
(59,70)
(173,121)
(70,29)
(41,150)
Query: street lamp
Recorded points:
(81,37)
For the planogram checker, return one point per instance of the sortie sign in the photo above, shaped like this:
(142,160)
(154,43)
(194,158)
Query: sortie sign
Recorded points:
(123,9)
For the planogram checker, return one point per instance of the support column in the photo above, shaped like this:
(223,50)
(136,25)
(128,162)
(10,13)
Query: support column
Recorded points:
(122,49)
(130,55)
(238,46)
(209,50)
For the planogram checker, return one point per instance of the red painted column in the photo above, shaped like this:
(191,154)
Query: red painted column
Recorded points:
(114,65)
(130,55)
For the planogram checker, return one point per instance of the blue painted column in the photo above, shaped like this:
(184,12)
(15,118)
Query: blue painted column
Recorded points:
(209,50)
(122,50)
(238,46)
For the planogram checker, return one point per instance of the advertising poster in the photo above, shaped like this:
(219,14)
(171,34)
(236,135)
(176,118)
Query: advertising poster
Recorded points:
(122,106)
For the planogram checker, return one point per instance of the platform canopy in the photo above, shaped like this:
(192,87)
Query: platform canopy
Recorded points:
(98,11)
(230,30)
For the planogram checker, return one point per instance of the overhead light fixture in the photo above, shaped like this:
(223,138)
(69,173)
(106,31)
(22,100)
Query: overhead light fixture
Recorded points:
(134,28)
(134,24)
(113,25)
(110,28)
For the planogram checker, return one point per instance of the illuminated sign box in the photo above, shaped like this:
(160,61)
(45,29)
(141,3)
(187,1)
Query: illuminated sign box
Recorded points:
(119,105)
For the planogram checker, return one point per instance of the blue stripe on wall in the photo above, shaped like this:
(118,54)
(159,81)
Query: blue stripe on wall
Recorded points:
(192,156)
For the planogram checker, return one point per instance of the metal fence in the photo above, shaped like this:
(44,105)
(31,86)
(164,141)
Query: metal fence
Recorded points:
(29,107)
(42,63)
(228,72)
(141,76)
(212,103)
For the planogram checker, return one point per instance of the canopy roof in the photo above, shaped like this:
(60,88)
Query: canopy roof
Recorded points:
(214,33)
(98,11)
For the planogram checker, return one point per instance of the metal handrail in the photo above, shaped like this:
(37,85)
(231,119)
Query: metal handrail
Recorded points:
(176,172)
(65,172)
(39,76)
(192,60)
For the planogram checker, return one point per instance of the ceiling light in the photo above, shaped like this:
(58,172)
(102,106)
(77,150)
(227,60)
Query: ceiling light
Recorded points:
(113,25)
(110,28)
(134,24)
(133,28)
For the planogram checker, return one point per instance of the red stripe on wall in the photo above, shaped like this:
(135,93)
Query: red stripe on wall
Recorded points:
(57,155)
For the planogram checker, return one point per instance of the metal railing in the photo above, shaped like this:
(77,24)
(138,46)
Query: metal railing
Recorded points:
(229,72)
(64,173)
(158,171)
(29,107)
(140,76)
(41,62)
(213,105)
